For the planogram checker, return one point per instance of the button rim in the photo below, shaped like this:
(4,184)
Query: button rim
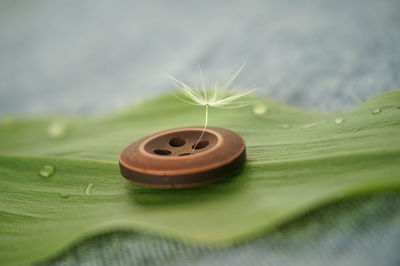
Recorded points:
(195,175)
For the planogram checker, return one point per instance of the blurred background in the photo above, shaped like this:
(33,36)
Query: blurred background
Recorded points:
(97,56)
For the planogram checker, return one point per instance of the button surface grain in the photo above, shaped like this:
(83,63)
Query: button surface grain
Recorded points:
(167,159)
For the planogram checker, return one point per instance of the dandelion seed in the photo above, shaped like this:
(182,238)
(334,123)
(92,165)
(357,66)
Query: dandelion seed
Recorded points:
(220,96)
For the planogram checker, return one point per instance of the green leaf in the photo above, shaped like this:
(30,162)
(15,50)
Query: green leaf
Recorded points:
(297,160)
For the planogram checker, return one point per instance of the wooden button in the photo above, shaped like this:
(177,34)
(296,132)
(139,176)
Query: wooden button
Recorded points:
(167,159)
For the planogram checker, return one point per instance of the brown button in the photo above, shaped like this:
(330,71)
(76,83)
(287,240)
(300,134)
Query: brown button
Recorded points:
(167,159)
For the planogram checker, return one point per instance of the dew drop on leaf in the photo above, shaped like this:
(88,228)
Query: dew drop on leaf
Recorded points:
(260,109)
(56,129)
(376,111)
(46,171)
(339,120)
(89,188)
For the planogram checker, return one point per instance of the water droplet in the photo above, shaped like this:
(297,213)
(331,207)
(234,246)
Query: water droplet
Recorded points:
(339,120)
(285,126)
(376,111)
(63,195)
(89,188)
(46,171)
(260,108)
(56,129)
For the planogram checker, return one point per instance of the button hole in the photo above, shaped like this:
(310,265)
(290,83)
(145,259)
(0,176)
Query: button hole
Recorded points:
(177,142)
(162,152)
(202,144)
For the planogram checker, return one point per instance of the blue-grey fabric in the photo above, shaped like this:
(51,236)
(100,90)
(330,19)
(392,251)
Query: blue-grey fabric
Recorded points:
(98,56)
(360,231)
(92,56)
